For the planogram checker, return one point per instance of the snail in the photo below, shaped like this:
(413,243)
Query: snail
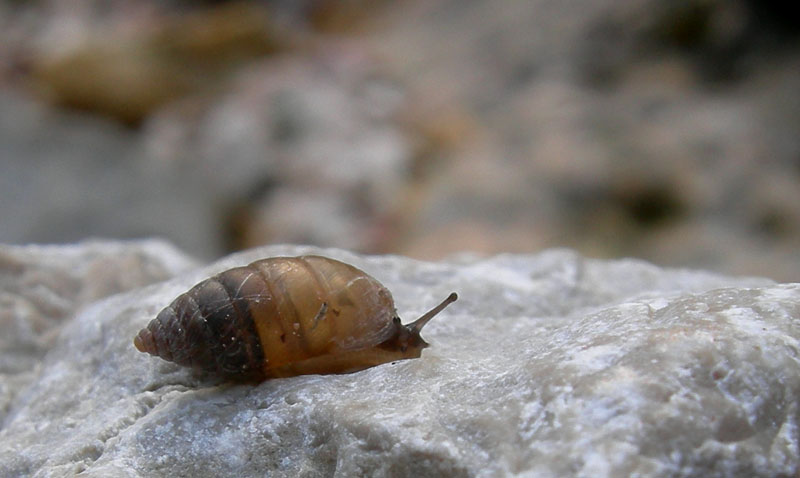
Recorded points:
(282,317)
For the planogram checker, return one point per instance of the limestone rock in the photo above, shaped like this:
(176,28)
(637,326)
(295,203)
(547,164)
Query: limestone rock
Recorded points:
(42,287)
(549,365)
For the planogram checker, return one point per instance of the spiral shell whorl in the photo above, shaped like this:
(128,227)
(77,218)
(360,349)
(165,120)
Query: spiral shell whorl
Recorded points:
(207,328)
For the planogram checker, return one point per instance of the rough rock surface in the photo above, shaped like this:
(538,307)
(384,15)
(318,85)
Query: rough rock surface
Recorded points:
(42,287)
(549,365)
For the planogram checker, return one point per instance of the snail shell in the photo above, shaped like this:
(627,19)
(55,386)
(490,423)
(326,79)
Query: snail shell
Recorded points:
(284,316)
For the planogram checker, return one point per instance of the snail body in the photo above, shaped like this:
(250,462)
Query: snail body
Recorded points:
(284,316)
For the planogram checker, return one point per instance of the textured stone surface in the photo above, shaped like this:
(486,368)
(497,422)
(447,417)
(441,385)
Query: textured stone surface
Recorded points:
(42,287)
(548,365)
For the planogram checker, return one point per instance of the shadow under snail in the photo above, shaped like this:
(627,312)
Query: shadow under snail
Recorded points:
(282,317)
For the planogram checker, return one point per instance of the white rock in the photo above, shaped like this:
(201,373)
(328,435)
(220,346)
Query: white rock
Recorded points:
(41,288)
(549,365)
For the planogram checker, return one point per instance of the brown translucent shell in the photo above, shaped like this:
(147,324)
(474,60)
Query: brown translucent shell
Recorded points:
(284,316)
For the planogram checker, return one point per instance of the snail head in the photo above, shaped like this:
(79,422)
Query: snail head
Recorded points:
(407,342)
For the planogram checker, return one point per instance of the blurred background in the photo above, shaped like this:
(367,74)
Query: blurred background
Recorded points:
(662,129)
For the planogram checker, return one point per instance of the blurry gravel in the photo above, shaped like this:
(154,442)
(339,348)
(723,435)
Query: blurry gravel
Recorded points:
(663,130)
